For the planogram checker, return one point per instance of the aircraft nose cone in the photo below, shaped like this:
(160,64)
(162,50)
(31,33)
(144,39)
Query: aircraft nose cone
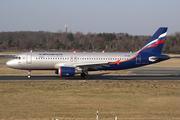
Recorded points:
(9,63)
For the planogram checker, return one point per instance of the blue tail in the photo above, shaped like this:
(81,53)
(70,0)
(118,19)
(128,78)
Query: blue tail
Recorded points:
(155,44)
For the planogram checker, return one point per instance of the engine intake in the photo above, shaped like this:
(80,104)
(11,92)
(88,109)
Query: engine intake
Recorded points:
(66,71)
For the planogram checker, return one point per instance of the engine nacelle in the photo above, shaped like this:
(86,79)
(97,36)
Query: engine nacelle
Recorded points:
(66,71)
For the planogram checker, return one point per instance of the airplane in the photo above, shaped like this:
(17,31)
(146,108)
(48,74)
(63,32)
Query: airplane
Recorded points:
(68,64)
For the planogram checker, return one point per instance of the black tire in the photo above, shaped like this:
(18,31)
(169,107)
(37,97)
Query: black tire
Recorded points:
(87,76)
(83,75)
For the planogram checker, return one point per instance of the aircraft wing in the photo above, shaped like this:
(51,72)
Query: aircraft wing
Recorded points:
(84,65)
(92,65)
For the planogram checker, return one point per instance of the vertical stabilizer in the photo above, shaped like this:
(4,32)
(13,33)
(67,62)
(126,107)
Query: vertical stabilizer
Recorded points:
(155,44)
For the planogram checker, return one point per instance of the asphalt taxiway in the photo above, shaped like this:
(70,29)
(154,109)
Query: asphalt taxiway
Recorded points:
(141,73)
(93,77)
(6,56)
(160,71)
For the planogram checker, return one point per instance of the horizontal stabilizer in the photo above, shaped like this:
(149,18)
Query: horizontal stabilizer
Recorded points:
(160,57)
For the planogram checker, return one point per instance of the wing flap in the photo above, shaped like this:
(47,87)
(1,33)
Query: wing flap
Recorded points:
(84,65)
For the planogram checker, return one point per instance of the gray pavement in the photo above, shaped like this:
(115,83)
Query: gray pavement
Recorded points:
(141,73)
(2,63)
(154,71)
(93,77)
(6,56)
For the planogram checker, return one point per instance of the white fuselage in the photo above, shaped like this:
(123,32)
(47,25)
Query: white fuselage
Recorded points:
(52,60)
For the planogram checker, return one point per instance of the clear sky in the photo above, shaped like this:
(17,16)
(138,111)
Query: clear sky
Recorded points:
(136,17)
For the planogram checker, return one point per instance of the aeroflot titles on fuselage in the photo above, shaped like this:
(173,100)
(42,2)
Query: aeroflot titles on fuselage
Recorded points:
(46,54)
(56,56)
(40,54)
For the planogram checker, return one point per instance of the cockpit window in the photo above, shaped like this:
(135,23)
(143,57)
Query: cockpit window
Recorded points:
(15,57)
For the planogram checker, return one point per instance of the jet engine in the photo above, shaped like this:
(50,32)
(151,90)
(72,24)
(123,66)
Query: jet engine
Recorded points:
(66,71)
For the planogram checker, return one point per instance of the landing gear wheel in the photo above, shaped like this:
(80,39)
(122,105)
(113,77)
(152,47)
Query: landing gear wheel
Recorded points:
(85,75)
(29,76)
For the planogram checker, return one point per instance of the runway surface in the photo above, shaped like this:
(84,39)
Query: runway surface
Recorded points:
(6,56)
(154,71)
(2,63)
(93,77)
(141,73)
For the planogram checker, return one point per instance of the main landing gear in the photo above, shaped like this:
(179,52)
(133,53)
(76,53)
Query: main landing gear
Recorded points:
(29,74)
(85,75)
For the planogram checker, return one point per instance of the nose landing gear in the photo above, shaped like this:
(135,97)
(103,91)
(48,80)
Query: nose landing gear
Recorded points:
(29,74)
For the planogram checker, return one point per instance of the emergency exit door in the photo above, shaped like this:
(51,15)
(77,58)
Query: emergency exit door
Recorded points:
(29,58)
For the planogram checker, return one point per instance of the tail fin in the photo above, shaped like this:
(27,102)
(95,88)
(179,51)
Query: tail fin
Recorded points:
(155,44)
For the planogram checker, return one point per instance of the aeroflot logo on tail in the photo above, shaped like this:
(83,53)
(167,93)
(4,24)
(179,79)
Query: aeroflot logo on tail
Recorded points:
(155,42)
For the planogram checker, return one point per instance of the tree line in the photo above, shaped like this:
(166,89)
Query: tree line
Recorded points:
(47,41)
